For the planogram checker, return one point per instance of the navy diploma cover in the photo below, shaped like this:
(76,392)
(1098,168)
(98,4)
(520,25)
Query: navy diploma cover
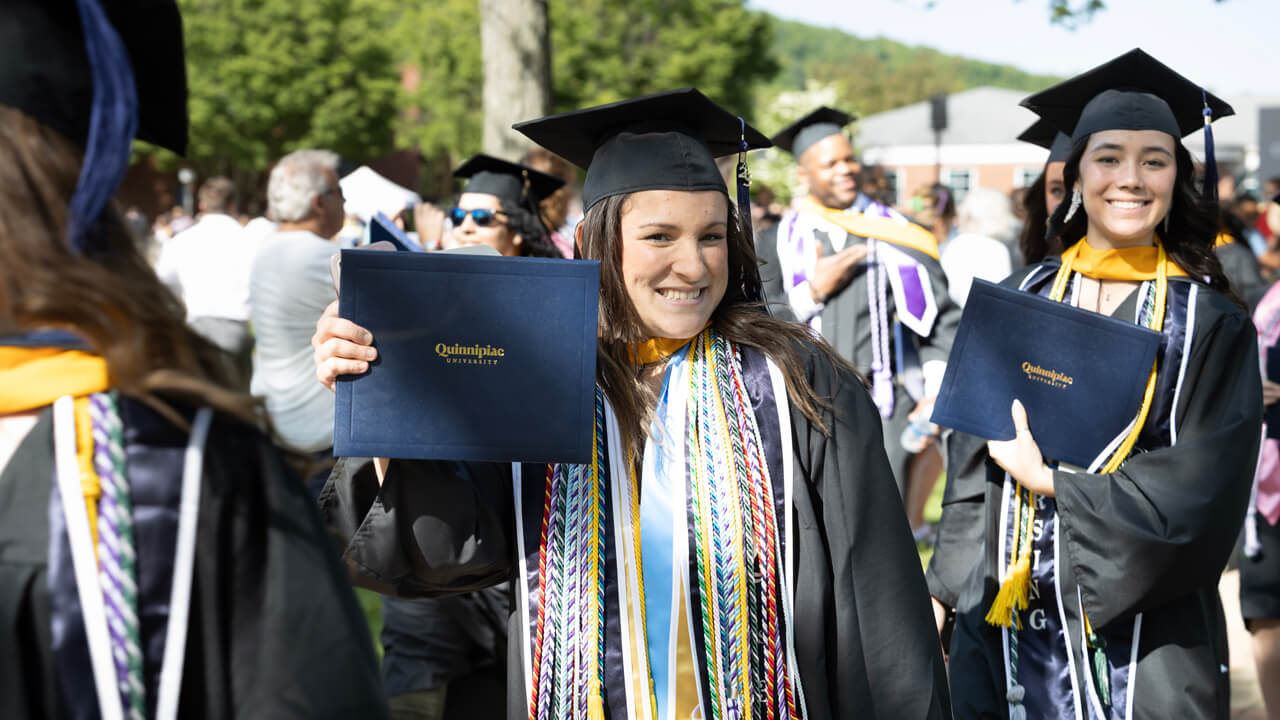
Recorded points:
(1080,375)
(479,358)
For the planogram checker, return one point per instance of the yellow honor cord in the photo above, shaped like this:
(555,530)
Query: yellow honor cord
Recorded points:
(881,228)
(1015,588)
(90,486)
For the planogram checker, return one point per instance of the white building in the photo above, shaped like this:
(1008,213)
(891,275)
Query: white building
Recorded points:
(979,148)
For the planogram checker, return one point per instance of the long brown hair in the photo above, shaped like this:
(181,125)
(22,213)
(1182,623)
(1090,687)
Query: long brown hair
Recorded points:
(109,296)
(740,317)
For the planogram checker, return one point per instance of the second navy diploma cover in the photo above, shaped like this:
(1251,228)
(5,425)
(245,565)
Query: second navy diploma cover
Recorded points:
(1080,375)
(479,358)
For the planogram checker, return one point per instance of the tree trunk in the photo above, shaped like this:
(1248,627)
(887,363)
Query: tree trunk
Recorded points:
(515,40)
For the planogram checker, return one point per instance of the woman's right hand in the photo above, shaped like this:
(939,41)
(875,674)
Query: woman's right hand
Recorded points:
(1270,392)
(341,347)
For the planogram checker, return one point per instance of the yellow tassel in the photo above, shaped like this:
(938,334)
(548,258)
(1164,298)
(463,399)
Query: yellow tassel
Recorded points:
(1014,594)
(595,707)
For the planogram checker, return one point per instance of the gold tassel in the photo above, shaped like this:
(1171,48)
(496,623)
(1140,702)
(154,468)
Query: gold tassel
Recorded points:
(1014,594)
(595,702)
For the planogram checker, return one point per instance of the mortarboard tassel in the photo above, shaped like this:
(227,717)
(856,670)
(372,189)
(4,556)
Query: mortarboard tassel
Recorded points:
(1210,164)
(113,122)
(743,174)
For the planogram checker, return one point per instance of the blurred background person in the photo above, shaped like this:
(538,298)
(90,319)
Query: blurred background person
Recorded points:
(207,265)
(984,244)
(558,209)
(289,287)
(117,421)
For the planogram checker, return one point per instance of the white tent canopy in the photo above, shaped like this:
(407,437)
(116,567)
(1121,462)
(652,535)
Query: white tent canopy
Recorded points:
(368,193)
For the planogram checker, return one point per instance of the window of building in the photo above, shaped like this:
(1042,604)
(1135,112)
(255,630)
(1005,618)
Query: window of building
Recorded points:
(960,182)
(1024,176)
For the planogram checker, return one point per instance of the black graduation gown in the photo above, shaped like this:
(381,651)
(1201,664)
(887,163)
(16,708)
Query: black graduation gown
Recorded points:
(865,641)
(846,325)
(1241,267)
(1140,549)
(274,631)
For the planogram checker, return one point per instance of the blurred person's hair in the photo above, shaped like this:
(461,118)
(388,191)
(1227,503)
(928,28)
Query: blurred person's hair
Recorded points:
(296,180)
(987,212)
(555,207)
(109,295)
(217,195)
(1035,243)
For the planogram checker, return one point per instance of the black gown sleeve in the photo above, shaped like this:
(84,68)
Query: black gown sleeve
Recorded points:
(771,274)
(962,527)
(1164,524)
(433,528)
(275,629)
(883,657)
(1243,271)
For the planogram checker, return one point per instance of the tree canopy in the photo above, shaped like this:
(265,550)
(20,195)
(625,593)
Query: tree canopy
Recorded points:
(270,76)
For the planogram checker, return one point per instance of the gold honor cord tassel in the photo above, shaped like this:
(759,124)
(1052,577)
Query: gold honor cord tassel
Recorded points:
(1015,589)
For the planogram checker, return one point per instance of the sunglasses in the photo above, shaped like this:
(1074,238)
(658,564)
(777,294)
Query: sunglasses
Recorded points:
(481,216)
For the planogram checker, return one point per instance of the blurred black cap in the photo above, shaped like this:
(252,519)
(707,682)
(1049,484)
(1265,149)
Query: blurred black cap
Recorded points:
(45,73)
(516,184)
(817,125)
(1047,136)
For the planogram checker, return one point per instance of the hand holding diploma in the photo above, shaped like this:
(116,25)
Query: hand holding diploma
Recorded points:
(341,347)
(1021,458)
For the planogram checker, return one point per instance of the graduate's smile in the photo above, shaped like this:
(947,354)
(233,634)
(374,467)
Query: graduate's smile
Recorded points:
(681,296)
(675,258)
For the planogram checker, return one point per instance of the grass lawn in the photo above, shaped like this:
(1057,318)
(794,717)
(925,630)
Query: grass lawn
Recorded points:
(932,511)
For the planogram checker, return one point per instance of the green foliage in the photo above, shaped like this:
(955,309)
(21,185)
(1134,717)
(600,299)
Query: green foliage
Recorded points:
(270,76)
(602,50)
(443,114)
(873,75)
(607,50)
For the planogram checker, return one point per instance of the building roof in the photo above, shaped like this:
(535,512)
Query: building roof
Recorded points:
(978,116)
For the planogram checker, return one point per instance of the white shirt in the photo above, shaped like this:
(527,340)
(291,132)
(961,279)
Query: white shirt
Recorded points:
(289,288)
(207,265)
(967,256)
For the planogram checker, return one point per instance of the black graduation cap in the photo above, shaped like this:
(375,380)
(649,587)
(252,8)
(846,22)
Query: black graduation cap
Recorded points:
(817,125)
(667,141)
(1131,92)
(45,70)
(516,184)
(1047,136)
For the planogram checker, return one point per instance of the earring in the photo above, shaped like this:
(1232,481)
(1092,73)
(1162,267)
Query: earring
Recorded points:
(1076,199)
(1166,224)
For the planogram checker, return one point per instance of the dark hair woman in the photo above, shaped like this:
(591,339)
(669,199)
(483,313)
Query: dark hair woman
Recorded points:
(117,430)
(499,207)
(743,552)
(1096,587)
(1045,194)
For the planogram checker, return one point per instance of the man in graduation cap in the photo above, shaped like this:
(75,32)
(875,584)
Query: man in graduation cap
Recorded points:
(1094,593)
(157,558)
(863,276)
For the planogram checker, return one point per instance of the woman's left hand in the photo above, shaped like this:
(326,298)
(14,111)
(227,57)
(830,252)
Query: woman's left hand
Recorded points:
(1021,458)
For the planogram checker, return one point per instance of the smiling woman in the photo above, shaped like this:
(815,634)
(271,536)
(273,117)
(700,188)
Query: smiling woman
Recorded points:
(736,547)
(1096,587)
